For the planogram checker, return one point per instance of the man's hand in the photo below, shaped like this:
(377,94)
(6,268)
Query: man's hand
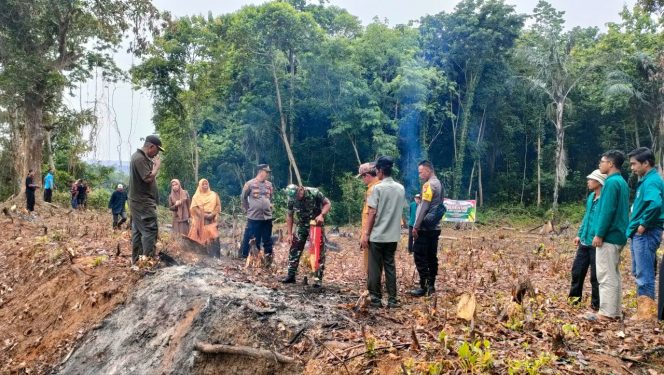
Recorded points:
(641,229)
(598,241)
(157,162)
(364,243)
(577,240)
(414,233)
(319,219)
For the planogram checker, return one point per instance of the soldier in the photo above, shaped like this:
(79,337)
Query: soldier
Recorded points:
(257,202)
(309,204)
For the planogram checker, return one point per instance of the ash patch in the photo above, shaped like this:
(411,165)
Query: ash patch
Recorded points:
(169,312)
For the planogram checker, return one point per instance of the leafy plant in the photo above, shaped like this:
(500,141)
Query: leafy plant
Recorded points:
(475,357)
(530,366)
(98,261)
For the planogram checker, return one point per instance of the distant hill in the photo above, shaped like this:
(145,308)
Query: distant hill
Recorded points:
(124,167)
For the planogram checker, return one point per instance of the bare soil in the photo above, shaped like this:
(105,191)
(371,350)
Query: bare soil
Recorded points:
(70,304)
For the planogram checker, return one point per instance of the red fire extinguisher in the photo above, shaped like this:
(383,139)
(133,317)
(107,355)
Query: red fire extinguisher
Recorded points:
(315,240)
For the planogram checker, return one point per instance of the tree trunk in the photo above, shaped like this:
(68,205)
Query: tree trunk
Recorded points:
(32,137)
(195,156)
(16,142)
(470,180)
(49,149)
(283,123)
(357,154)
(539,165)
(463,134)
(560,157)
(525,163)
(479,184)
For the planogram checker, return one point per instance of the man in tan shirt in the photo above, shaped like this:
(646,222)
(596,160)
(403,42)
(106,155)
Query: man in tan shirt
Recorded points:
(367,172)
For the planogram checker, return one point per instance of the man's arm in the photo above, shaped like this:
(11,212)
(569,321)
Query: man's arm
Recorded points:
(371,219)
(653,209)
(607,210)
(150,174)
(244,196)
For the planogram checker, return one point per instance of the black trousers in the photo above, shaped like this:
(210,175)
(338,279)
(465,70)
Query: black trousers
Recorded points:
(425,251)
(30,197)
(410,239)
(48,195)
(381,258)
(585,258)
(262,231)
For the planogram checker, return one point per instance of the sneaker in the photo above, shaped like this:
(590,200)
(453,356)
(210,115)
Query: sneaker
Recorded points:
(134,268)
(290,279)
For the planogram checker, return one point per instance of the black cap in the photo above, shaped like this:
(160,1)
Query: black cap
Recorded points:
(384,162)
(265,167)
(155,141)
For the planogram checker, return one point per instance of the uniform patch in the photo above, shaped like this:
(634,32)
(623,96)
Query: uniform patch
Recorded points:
(427,192)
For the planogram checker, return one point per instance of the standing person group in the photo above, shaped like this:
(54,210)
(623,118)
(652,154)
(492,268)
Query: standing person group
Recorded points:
(205,209)
(383,232)
(609,221)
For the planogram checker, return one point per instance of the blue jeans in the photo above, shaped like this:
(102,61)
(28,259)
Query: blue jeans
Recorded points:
(644,260)
(261,230)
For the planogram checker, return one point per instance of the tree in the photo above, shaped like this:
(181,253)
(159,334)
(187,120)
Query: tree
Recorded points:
(47,45)
(462,44)
(553,69)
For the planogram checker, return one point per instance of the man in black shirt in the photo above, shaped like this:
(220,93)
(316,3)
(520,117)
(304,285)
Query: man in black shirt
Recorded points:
(30,188)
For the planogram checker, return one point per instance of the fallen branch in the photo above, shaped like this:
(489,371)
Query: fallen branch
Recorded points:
(242,350)
(399,346)
(259,310)
(314,340)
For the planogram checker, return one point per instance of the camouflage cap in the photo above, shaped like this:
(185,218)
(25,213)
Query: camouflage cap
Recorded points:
(366,168)
(291,191)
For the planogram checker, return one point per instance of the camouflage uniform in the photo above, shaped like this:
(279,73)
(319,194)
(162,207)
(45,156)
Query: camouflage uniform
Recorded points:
(303,212)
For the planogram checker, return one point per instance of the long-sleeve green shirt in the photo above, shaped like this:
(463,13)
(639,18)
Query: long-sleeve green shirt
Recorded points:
(613,210)
(586,232)
(647,207)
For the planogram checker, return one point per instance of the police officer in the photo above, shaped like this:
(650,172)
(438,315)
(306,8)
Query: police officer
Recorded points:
(306,204)
(257,202)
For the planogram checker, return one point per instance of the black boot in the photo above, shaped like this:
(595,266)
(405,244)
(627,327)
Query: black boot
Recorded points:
(267,261)
(290,279)
(421,291)
(431,286)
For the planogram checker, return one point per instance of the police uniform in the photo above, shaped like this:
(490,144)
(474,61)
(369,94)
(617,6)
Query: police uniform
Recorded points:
(257,202)
(303,211)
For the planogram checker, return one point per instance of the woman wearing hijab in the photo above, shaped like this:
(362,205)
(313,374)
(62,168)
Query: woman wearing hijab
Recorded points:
(178,202)
(205,206)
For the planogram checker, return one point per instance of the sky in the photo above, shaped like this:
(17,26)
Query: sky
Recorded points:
(132,110)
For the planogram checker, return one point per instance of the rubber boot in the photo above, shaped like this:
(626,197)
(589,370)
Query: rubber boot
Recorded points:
(290,279)
(645,309)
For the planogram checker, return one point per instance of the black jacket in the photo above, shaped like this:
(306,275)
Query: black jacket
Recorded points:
(117,202)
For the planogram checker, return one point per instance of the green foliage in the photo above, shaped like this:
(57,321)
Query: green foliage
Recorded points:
(98,261)
(348,209)
(475,357)
(530,366)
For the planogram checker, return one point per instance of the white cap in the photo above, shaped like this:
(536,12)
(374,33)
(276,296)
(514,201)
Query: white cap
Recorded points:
(120,186)
(597,176)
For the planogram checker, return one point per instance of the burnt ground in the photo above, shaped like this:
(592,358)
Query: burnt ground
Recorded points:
(70,304)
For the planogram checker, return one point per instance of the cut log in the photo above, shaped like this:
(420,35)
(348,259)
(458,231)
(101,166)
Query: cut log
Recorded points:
(242,350)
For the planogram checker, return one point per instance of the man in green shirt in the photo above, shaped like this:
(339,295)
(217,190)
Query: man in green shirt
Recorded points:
(383,233)
(585,253)
(610,225)
(412,215)
(645,229)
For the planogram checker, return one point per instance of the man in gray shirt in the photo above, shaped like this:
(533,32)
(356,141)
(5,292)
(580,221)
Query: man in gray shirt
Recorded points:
(427,229)
(383,232)
(257,202)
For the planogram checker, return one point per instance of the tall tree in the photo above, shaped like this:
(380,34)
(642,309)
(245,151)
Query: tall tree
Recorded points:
(554,70)
(463,43)
(46,45)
